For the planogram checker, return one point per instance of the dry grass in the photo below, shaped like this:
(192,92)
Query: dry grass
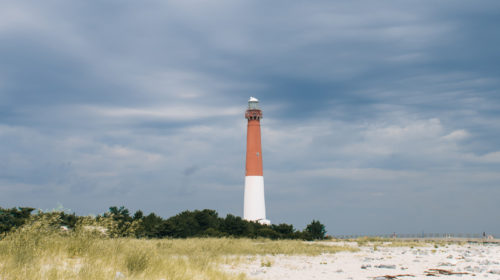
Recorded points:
(399,243)
(368,241)
(39,251)
(391,242)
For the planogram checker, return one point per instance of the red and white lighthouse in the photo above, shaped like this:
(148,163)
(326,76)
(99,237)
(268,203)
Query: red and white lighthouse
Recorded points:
(254,204)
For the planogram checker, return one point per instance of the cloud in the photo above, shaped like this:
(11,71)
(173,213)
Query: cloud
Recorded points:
(167,113)
(372,174)
(372,112)
(491,157)
(456,135)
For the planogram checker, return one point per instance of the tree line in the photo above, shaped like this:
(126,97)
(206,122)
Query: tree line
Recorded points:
(119,222)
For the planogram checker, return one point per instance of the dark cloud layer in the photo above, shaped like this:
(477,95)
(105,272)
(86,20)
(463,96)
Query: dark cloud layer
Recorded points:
(379,117)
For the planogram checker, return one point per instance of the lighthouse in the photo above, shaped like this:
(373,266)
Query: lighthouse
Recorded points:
(254,208)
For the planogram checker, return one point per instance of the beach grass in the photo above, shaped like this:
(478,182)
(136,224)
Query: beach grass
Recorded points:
(397,242)
(38,251)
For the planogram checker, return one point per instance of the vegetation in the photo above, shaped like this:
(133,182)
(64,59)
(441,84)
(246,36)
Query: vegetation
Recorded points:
(390,242)
(118,222)
(41,249)
(11,218)
(315,230)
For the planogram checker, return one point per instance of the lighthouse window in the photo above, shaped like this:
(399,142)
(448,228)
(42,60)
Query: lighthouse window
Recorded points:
(257,153)
(253,105)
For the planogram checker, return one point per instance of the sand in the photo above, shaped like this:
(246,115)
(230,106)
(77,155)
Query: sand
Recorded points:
(475,261)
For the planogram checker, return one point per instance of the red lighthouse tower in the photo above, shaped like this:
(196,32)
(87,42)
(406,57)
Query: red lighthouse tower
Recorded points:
(254,201)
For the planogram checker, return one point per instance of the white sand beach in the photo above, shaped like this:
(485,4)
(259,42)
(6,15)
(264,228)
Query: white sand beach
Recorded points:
(454,261)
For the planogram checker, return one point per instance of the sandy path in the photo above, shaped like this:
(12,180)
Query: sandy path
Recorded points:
(478,261)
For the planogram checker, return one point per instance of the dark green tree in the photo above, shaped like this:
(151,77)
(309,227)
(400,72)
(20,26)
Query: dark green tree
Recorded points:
(138,215)
(315,230)
(268,232)
(182,225)
(207,219)
(286,231)
(152,226)
(235,226)
(13,218)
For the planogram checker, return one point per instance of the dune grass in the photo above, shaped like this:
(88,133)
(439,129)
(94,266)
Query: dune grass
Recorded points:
(395,242)
(42,252)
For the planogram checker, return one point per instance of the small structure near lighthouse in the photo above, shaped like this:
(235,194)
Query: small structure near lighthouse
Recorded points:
(254,203)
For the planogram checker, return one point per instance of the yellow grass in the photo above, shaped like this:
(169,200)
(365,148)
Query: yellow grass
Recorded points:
(394,242)
(41,252)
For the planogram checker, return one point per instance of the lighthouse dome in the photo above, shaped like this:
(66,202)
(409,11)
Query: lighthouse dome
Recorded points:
(253,99)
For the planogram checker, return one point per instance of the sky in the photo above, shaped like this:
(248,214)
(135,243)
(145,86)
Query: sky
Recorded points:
(379,116)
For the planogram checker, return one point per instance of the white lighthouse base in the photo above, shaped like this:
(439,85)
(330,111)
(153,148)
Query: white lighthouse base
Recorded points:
(264,222)
(254,208)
